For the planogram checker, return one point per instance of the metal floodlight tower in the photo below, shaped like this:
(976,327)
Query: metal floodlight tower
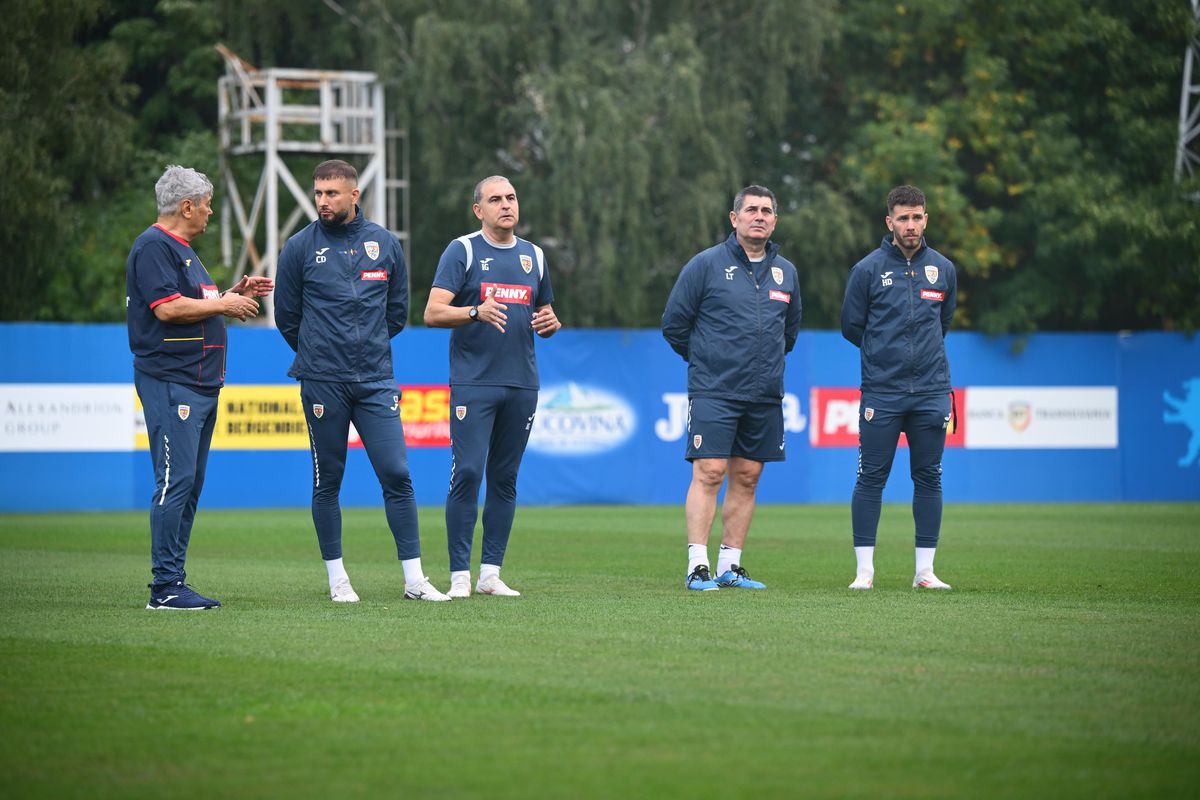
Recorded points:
(326,113)
(1187,154)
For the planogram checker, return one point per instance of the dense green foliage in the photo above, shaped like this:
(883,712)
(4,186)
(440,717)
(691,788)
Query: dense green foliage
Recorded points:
(1044,135)
(1062,665)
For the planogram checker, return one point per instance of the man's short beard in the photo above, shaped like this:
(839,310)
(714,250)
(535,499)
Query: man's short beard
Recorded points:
(338,218)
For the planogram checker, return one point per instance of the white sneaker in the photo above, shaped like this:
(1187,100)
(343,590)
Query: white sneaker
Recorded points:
(424,591)
(927,580)
(343,592)
(460,587)
(493,585)
(863,580)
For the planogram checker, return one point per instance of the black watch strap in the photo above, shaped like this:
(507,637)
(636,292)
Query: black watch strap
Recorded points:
(474,313)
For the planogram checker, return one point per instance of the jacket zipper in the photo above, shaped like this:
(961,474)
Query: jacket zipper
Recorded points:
(757,320)
(912,369)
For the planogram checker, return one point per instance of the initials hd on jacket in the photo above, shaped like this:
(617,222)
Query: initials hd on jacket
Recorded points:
(910,303)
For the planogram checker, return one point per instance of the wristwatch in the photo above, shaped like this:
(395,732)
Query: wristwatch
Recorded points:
(474,313)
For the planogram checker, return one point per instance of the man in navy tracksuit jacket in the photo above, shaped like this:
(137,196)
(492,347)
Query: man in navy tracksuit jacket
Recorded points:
(898,307)
(342,295)
(733,315)
(176,319)
(493,289)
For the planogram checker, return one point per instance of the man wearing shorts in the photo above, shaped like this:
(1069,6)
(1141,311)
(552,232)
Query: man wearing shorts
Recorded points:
(733,315)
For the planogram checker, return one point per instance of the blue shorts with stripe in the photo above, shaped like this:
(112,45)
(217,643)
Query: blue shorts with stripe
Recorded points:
(720,428)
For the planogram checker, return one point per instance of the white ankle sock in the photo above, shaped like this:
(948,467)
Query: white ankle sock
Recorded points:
(488,570)
(925,559)
(464,574)
(697,555)
(866,560)
(728,557)
(336,570)
(413,574)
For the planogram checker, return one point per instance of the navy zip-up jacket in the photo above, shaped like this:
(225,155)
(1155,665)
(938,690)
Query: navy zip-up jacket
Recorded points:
(734,322)
(897,311)
(341,294)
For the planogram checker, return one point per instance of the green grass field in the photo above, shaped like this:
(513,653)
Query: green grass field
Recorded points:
(1065,663)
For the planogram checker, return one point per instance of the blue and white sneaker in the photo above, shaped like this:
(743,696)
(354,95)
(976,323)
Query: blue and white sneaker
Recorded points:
(735,576)
(178,596)
(701,581)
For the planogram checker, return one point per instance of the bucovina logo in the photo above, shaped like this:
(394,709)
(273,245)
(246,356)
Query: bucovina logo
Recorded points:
(580,420)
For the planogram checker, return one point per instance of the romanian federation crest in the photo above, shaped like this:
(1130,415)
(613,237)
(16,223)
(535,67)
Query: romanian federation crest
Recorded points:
(777,274)
(696,440)
(185,412)
(372,250)
(931,273)
(460,412)
(868,414)
(527,264)
(318,410)
(1019,415)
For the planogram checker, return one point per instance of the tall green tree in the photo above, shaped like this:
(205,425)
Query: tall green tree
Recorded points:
(1044,136)
(64,132)
(626,128)
(97,98)
(1042,133)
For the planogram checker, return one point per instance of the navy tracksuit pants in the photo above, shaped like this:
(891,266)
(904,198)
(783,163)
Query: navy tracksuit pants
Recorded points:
(489,428)
(881,419)
(374,408)
(179,424)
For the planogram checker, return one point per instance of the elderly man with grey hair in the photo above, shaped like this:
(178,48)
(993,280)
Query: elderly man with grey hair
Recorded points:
(176,320)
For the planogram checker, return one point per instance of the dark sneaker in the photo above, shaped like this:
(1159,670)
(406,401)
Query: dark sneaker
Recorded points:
(735,576)
(178,596)
(701,581)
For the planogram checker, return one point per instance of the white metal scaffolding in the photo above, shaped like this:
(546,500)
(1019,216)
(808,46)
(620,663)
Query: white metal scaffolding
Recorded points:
(269,112)
(1187,154)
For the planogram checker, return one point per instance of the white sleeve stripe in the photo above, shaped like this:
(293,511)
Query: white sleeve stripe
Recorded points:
(541,259)
(466,243)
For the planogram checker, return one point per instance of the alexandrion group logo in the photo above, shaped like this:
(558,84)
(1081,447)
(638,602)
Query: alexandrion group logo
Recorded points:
(573,419)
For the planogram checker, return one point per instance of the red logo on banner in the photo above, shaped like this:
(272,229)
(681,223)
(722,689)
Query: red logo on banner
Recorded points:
(425,413)
(506,293)
(833,418)
(932,294)
(374,275)
(784,296)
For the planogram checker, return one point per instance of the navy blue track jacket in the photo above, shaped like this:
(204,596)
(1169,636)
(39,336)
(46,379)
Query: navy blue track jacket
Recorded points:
(897,312)
(734,322)
(341,294)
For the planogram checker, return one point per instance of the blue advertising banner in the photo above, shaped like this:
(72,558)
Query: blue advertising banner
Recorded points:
(1051,417)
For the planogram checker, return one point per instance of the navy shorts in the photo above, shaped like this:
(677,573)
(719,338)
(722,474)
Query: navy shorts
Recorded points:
(720,428)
